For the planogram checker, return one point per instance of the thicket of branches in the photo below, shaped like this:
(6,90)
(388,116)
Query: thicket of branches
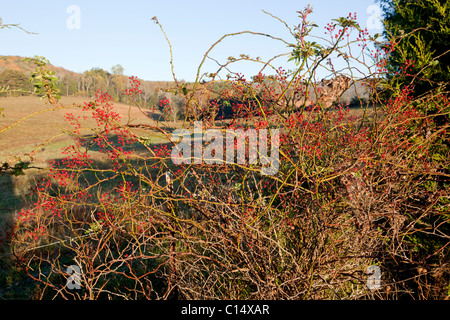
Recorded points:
(352,190)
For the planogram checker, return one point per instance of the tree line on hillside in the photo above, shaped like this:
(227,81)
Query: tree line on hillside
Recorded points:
(15,82)
(159,94)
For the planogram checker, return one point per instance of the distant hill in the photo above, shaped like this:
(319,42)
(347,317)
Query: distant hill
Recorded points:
(18,63)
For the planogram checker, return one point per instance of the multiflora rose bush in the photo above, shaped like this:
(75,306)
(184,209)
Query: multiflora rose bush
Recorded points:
(352,190)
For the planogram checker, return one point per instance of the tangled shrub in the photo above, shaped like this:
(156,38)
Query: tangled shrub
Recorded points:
(353,189)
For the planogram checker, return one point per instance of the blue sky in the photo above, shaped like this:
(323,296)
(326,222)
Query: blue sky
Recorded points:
(122,32)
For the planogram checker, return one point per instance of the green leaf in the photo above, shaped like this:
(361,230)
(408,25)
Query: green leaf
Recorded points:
(93,227)
(438,157)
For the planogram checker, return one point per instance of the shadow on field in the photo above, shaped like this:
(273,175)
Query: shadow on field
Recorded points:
(9,204)
(11,285)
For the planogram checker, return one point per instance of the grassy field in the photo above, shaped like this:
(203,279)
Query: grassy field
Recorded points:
(48,126)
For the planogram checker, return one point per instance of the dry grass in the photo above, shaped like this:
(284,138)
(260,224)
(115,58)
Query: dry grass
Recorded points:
(27,137)
(48,125)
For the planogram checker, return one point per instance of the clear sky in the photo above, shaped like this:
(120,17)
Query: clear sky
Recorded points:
(79,34)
